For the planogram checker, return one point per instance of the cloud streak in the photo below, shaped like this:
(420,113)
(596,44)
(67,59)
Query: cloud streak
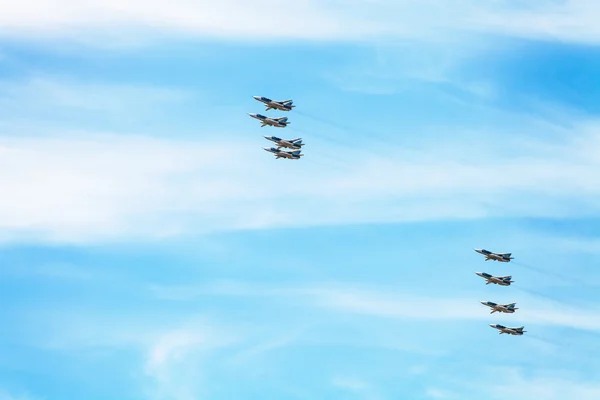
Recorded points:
(108,186)
(177,360)
(359,20)
(389,305)
(539,384)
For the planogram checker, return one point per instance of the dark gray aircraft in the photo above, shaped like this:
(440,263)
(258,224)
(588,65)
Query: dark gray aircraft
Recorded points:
(502,257)
(511,331)
(503,308)
(498,280)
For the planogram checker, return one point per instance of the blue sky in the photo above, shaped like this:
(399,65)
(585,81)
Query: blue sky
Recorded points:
(152,251)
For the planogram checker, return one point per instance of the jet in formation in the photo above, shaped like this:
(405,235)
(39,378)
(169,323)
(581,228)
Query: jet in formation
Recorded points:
(291,155)
(498,280)
(511,331)
(502,257)
(503,308)
(294,144)
(280,122)
(283,105)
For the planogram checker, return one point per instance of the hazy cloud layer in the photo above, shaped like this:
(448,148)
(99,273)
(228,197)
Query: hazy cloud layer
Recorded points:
(309,19)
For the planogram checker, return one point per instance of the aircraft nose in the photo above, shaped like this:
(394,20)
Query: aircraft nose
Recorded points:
(492,325)
(484,303)
(256,97)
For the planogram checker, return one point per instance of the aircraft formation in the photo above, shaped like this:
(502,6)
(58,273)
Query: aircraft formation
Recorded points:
(501,281)
(295,145)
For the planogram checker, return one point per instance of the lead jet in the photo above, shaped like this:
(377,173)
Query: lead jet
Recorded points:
(294,144)
(290,155)
(511,331)
(280,122)
(283,105)
(498,280)
(503,308)
(502,257)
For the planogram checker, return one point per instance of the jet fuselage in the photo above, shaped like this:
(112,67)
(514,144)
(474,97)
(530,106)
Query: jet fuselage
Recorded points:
(285,105)
(494,256)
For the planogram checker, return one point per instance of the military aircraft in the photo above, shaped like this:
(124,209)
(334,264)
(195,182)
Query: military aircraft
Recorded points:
(511,331)
(503,308)
(498,280)
(295,144)
(280,122)
(291,155)
(283,105)
(502,257)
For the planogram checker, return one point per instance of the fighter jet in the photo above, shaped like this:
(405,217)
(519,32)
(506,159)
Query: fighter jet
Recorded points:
(280,122)
(283,105)
(291,155)
(503,308)
(502,257)
(511,331)
(295,144)
(498,280)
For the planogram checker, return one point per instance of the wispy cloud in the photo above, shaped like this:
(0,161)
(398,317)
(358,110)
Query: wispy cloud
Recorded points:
(173,355)
(569,20)
(110,186)
(538,384)
(47,103)
(177,361)
(377,302)
(357,387)
(310,19)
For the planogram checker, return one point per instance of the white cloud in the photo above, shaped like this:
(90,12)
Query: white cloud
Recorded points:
(568,20)
(258,350)
(357,386)
(110,187)
(542,385)
(100,187)
(178,359)
(37,94)
(378,302)
(169,346)
(177,351)
(307,19)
